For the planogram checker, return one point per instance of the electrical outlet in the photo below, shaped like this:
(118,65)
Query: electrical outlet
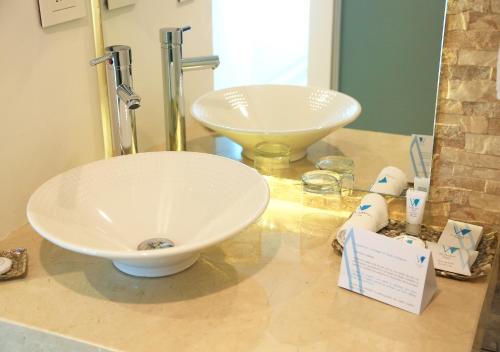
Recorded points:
(114,4)
(53,12)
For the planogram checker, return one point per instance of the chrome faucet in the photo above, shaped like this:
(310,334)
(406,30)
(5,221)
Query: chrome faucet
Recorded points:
(122,99)
(173,66)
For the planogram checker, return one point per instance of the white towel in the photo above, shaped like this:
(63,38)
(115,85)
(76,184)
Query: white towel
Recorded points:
(371,214)
(391,181)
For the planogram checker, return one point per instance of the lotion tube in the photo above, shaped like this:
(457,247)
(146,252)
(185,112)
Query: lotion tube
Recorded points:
(415,205)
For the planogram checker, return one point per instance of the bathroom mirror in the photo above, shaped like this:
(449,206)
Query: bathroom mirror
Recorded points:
(386,54)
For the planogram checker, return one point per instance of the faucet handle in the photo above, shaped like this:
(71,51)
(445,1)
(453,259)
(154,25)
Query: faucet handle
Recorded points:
(117,55)
(173,35)
(101,59)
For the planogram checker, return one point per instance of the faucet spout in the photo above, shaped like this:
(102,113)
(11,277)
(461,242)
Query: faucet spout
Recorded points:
(200,63)
(128,96)
(173,67)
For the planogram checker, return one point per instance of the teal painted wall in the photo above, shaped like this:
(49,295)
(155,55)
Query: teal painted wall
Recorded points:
(389,62)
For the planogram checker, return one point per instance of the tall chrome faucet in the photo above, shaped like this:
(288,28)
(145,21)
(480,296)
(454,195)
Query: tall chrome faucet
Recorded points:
(122,99)
(173,66)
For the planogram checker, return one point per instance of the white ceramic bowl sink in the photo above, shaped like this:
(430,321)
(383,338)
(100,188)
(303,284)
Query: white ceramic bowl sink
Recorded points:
(107,208)
(294,115)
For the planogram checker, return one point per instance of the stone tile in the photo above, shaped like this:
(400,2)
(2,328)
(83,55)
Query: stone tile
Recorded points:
(477,57)
(449,56)
(451,155)
(474,124)
(487,202)
(457,22)
(487,109)
(445,72)
(494,127)
(443,87)
(481,21)
(438,221)
(492,187)
(482,144)
(439,209)
(480,90)
(448,131)
(481,40)
(457,6)
(495,6)
(446,106)
(441,169)
(442,194)
(465,183)
(476,172)
(471,215)
(448,119)
(469,73)
(455,155)
(458,142)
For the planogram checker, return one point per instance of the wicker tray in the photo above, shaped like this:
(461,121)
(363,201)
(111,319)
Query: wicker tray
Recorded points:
(19,259)
(481,267)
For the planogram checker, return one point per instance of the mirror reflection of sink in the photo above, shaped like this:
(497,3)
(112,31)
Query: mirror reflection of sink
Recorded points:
(293,115)
(170,204)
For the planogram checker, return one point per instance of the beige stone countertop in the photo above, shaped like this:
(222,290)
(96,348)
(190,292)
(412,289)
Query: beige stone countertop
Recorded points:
(272,287)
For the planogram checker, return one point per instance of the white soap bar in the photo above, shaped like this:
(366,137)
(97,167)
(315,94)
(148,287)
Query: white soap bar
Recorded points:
(411,241)
(5,265)
(452,259)
(461,235)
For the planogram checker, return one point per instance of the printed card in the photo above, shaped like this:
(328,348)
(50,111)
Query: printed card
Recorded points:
(387,270)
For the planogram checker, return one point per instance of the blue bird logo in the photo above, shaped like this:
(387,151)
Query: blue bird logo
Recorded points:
(451,250)
(364,207)
(383,180)
(414,202)
(461,231)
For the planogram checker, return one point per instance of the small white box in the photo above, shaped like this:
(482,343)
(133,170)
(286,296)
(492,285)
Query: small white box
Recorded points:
(461,235)
(53,12)
(452,259)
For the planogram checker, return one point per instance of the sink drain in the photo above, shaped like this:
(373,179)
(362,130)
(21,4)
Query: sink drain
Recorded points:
(155,243)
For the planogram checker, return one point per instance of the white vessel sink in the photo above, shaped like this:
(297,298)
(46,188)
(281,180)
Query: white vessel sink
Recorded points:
(294,115)
(107,208)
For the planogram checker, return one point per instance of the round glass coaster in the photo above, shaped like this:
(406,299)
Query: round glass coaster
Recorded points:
(336,163)
(320,181)
(271,156)
(342,167)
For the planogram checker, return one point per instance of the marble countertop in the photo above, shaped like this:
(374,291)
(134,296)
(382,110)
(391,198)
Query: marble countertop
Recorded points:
(272,287)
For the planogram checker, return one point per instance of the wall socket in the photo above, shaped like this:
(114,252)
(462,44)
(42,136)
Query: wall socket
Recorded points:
(53,12)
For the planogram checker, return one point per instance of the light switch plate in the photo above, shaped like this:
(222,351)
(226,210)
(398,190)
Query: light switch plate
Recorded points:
(53,12)
(114,4)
